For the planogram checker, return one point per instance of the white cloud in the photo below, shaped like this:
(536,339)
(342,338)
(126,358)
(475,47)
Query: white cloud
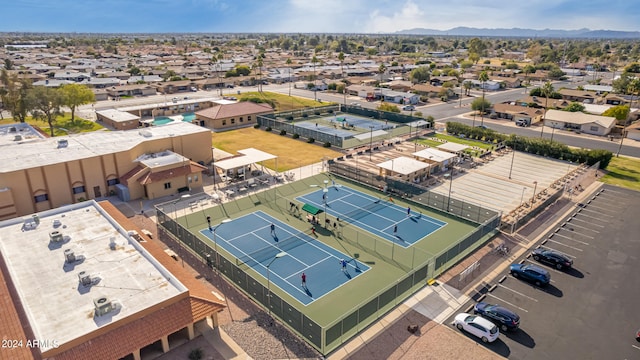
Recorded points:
(406,16)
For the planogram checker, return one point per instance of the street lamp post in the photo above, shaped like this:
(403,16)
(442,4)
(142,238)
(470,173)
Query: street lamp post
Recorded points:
(535,185)
(512,158)
(325,191)
(553,130)
(278,255)
(450,185)
(370,142)
(215,243)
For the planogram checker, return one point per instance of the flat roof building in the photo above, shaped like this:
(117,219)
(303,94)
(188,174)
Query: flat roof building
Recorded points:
(85,288)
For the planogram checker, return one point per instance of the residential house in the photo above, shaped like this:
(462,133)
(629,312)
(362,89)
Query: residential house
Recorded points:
(172,87)
(508,82)
(585,123)
(581,96)
(364,91)
(514,113)
(399,97)
(426,90)
(131,90)
(633,131)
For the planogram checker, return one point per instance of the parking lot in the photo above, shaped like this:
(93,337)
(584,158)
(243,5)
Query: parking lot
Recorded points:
(591,310)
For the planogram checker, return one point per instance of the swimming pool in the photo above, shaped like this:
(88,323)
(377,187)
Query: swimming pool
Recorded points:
(164,120)
(161,120)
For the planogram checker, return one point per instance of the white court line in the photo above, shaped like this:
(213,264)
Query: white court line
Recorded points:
(517,292)
(568,238)
(559,243)
(506,302)
(577,219)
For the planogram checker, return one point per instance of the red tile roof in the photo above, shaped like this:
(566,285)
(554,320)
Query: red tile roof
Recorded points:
(152,177)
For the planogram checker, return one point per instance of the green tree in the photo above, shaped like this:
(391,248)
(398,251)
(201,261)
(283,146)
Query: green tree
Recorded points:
(75,95)
(14,94)
(419,75)
(633,68)
(483,77)
(574,107)
(46,104)
(480,104)
(620,112)
(242,70)
(8,64)
(467,87)
(381,70)
(547,90)
(388,107)
(314,61)
(341,58)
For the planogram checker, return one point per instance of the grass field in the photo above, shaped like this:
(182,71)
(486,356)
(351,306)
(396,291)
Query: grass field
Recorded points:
(291,153)
(60,125)
(623,172)
(283,102)
(455,139)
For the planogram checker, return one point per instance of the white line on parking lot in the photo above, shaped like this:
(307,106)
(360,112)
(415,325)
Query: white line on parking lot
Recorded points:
(576,219)
(612,209)
(579,234)
(581,227)
(519,293)
(569,255)
(551,268)
(569,246)
(506,302)
(637,347)
(566,237)
(591,217)
(594,211)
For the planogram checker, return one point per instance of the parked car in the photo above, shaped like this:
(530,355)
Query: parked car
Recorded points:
(485,127)
(355,104)
(557,259)
(175,99)
(408,108)
(533,273)
(501,316)
(638,335)
(477,326)
(522,122)
(194,89)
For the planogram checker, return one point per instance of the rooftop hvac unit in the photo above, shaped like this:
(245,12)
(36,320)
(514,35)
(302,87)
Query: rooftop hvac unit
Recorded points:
(84,278)
(69,256)
(12,129)
(146,133)
(112,243)
(102,305)
(17,138)
(55,236)
(63,143)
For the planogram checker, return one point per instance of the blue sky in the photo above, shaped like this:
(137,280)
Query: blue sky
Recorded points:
(322,16)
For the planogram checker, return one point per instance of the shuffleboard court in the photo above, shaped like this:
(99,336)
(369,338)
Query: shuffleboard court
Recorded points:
(379,216)
(252,241)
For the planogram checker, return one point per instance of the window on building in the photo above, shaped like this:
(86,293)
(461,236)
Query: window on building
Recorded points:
(78,189)
(241,119)
(112,182)
(249,118)
(167,185)
(594,128)
(224,122)
(195,178)
(233,121)
(41,198)
(189,179)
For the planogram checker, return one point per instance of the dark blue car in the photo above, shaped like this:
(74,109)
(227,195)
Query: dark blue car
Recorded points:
(533,273)
(503,317)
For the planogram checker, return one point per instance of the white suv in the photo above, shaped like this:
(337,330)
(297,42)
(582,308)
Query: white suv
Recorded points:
(478,326)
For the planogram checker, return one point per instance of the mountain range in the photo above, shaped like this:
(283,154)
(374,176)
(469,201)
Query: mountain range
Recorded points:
(518,32)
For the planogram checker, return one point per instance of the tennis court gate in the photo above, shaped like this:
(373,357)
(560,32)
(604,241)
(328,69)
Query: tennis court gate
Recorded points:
(324,339)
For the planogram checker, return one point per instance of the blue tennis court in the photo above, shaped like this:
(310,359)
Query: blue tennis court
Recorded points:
(380,217)
(251,240)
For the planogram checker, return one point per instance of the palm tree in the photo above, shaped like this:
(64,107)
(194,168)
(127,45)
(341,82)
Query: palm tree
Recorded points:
(344,92)
(546,90)
(633,88)
(381,70)
(483,77)
(467,87)
(314,60)
(259,63)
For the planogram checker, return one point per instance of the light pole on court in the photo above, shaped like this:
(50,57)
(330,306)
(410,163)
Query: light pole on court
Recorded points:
(215,243)
(278,255)
(535,185)
(450,185)
(512,158)
(371,142)
(522,197)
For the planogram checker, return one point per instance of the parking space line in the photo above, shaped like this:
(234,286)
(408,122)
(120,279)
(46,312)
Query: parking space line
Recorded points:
(569,246)
(548,267)
(566,237)
(591,217)
(576,219)
(613,210)
(519,293)
(550,248)
(506,302)
(579,234)
(586,228)
(637,347)
(597,212)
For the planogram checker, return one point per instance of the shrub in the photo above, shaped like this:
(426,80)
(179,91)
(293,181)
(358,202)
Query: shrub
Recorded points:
(196,354)
(256,126)
(290,117)
(327,144)
(330,111)
(311,140)
(317,112)
(295,136)
(283,132)
(268,128)
(305,115)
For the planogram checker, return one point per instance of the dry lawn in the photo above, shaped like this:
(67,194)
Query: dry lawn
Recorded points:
(283,102)
(291,153)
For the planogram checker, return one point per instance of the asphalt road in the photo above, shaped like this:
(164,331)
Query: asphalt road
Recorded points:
(590,311)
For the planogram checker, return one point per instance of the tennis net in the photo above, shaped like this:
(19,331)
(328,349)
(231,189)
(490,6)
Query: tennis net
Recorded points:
(270,251)
(365,210)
